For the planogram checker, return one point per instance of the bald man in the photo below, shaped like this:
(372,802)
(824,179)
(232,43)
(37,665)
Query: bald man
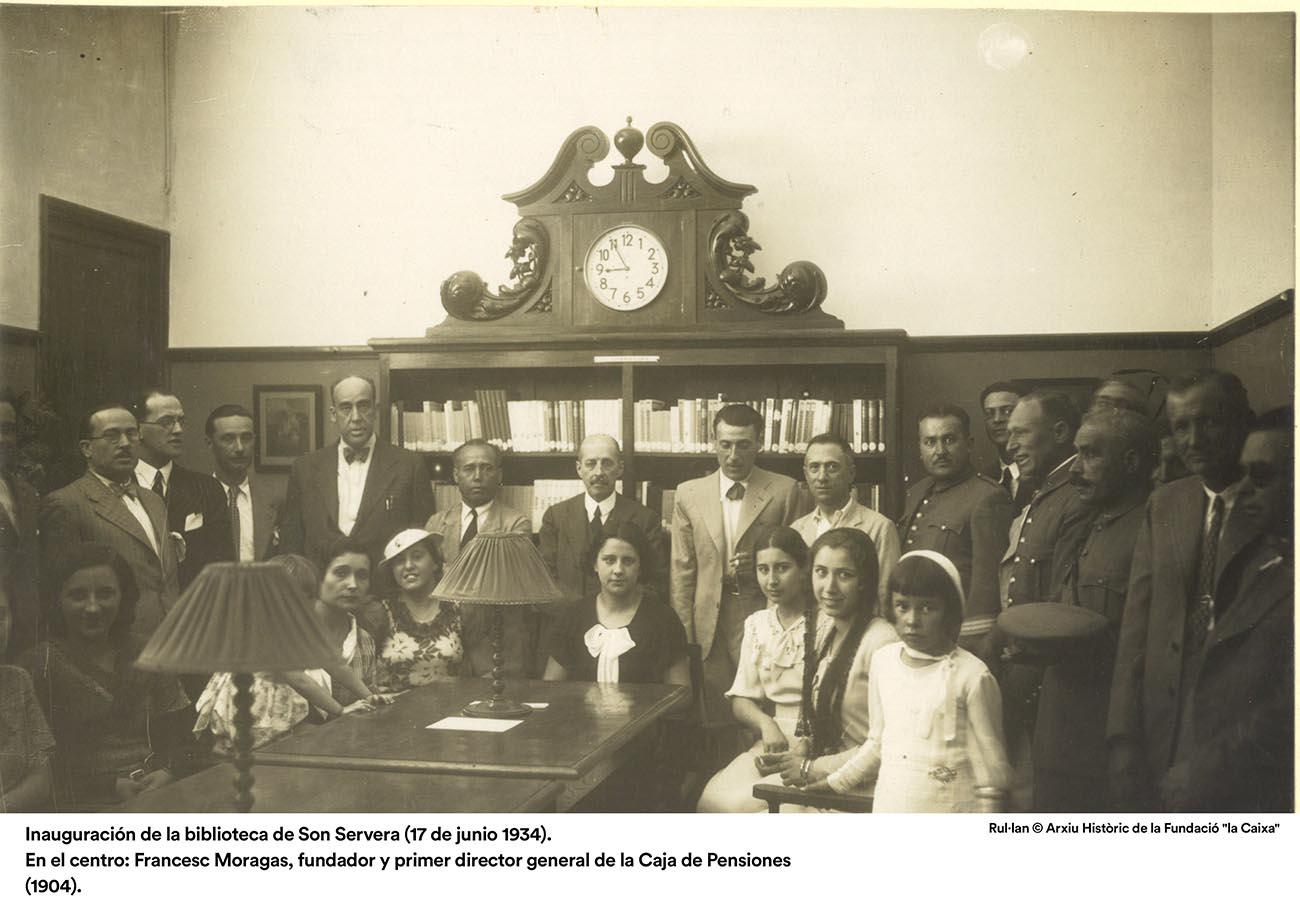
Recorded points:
(360,487)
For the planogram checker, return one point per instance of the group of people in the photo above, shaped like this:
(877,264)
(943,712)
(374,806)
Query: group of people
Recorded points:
(861,654)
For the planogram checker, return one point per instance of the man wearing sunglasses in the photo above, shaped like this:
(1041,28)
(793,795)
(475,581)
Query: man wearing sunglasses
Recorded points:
(106,505)
(196,505)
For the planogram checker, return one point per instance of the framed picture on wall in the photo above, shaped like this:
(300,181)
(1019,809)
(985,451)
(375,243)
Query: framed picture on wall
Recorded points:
(289,423)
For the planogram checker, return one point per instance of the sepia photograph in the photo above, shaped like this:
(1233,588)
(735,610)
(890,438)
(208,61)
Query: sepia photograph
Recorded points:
(480,410)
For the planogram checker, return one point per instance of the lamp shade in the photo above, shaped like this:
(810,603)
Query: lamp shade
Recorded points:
(239,618)
(499,568)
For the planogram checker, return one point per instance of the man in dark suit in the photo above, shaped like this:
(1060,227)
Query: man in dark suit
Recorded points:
(1239,754)
(195,502)
(361,487)
(106,505)
(959,513)
(19,505)
(1191,530)
(253,506)
(998,401)
(716,523)
(570,527)
(1112,474)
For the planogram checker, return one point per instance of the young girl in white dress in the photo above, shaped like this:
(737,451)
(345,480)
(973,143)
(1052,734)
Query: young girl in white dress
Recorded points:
(769,675)
(935,740)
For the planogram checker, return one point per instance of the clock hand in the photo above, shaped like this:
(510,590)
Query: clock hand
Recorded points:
(624,268)
(620,257)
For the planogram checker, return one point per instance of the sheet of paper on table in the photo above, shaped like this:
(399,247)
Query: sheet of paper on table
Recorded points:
(536,705)
(459,723)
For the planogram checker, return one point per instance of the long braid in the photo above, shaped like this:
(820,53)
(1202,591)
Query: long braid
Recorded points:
(810,657)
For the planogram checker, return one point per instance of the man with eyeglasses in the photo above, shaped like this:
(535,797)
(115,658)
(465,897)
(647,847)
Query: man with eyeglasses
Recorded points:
(106,505)
(195,502)
(998,401)
(360,487)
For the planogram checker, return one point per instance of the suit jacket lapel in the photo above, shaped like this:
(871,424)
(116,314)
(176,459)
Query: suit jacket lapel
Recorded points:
(378,477)
(263,517)
(1243,527)
(327,482)
(1254,596)
(752,504)
(110,507)
(712,507)
(1188,527)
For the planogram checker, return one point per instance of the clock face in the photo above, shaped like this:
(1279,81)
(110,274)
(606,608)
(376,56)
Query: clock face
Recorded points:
(626,267)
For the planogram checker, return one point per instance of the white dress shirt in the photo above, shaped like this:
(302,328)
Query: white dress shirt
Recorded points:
(466,510)
(245,505)
(823,523)
(1014,468)
(730,511)
(352,484)
(606,507)
(144,474)
(137,510)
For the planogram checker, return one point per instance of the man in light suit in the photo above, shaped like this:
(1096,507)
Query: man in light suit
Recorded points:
(106,505)
(476,467)
(361,487)
(717,521)
(1192,529)
(828,468)
(253,507)
(19,506)
(195,504)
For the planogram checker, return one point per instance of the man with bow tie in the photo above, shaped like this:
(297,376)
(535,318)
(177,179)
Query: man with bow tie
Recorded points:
(360,487)
(717,521)
(106,505)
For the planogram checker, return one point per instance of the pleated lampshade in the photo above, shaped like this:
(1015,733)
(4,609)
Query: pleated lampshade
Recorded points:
(239,618)
(499,568)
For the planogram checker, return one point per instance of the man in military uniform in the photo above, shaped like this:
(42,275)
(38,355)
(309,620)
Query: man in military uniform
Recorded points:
(1044,539)
(959,513)
(1111,473)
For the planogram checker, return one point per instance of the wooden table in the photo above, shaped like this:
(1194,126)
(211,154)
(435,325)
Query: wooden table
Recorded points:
(584,734)
(281,789)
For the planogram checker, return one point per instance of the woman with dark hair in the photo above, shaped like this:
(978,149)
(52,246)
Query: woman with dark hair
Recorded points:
(845,577)
(769,675)
(623,634)
(117,729)
(417,635)
(935,743)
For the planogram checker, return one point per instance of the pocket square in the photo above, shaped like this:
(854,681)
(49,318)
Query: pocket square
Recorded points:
(193,521)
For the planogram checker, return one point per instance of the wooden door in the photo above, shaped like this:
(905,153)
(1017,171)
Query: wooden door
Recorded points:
(103,316)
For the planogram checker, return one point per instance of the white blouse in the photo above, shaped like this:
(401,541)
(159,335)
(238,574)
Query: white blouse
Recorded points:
(771,658)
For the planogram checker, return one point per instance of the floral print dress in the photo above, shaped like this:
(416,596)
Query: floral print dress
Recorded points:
(414,653)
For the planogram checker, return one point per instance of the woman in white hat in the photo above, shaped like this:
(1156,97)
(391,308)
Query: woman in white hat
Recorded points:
(418,636)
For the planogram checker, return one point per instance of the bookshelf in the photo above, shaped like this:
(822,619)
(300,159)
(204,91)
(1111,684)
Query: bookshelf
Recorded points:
(738,364)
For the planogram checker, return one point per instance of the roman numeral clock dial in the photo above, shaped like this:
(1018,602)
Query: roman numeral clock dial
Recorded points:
(626,267)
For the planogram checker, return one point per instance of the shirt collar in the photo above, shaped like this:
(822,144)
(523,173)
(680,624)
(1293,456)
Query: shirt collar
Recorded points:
(482,509)
(724,484)
(1228,494)
(144,473)
(242,486)
(606,506)
(370,446)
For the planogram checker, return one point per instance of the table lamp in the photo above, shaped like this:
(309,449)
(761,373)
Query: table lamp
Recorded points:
(500,569)
(240,618)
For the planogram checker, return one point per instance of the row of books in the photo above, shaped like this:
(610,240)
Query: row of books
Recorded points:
(518,425)
(534,499)
(788,424)
(685,426)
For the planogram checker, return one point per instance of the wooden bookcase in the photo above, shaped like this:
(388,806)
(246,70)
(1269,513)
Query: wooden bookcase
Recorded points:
(736,363)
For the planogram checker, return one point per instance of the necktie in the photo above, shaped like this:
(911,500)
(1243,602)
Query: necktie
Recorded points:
(1202,606)
(351,456)
(158,485)
(736,492)
(1007,481)
(234,518)
(595,529)
(471,530)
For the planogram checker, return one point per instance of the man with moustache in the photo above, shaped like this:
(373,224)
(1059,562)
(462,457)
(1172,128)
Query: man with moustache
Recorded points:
(361,487)
(476,467)
(252,506)
(1191,531)
(195,504)
(19,506)
(961,514)
(107,505)
(1111,474)
(998,401)
(716,520)
(828,468)
(1238,755)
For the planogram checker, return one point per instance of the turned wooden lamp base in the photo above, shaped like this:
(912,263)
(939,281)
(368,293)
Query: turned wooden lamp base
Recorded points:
(498,706)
